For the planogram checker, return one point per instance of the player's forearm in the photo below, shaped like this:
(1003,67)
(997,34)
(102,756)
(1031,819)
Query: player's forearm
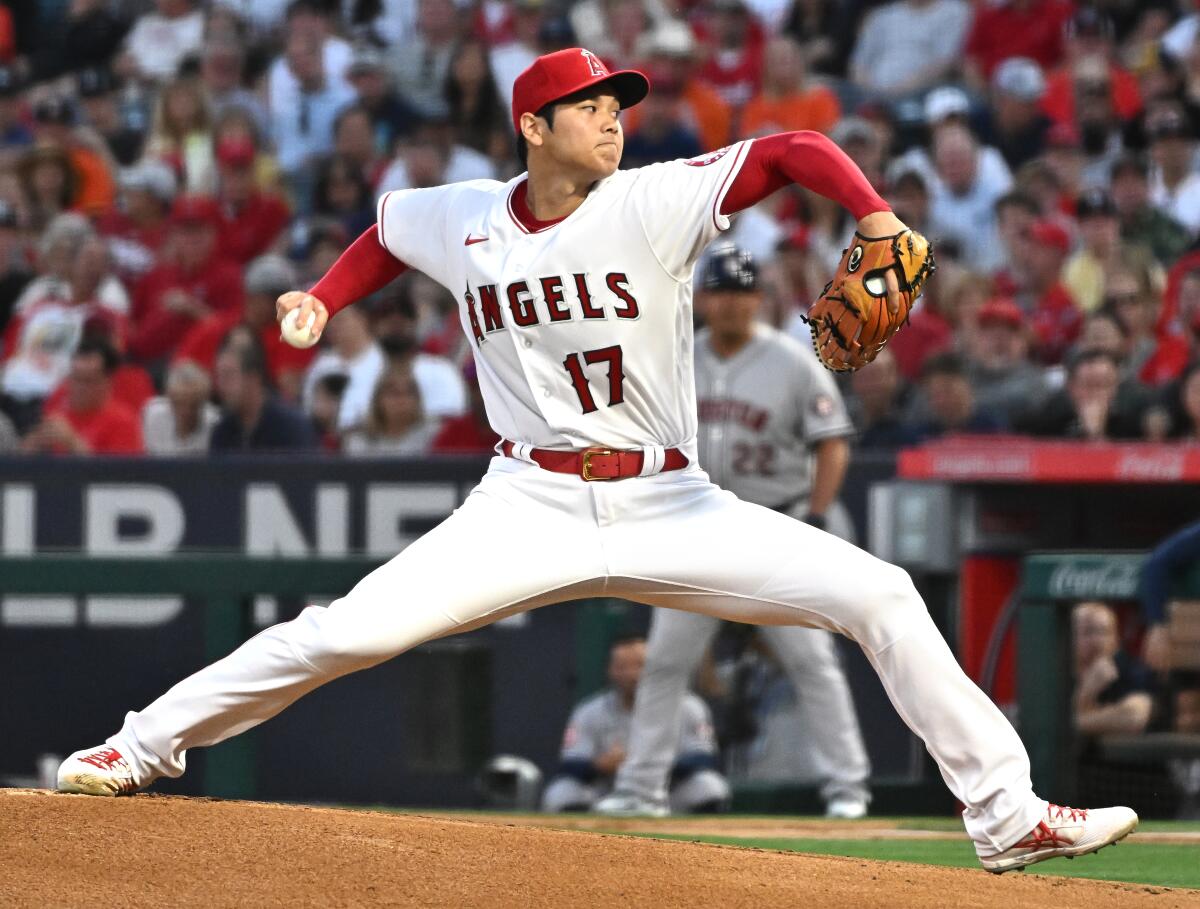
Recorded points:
(808,159)
(362,269)
(832,458)
(1128,716)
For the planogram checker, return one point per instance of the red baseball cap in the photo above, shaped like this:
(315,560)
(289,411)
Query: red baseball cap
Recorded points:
(1001,311)
(195,209)
(565,72)
(236,151)
(1047,233)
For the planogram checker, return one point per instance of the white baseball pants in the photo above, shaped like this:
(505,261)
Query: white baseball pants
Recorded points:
(526,537)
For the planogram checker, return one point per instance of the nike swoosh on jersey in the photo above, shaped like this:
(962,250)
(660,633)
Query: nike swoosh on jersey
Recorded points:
(473,239)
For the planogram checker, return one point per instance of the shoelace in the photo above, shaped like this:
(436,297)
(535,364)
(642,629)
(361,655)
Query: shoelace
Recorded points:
(105,760)
(1063,813)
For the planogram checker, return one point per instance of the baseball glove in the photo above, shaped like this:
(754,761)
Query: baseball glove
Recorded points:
(850,321)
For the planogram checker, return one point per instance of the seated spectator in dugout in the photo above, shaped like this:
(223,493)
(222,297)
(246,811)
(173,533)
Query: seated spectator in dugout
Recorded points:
(597,735)
(1114,691)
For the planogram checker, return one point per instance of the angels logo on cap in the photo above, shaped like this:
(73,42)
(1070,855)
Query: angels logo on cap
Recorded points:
(565,72)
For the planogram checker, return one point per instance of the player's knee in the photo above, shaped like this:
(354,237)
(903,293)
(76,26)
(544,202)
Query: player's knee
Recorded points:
(891,606)
(331,646)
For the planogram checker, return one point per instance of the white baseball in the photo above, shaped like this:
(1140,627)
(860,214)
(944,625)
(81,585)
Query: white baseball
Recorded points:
(296,334)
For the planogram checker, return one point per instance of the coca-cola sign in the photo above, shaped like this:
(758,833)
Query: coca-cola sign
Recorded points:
(1112,579)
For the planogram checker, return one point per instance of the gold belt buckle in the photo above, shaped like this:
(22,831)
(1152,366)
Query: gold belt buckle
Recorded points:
(585,470)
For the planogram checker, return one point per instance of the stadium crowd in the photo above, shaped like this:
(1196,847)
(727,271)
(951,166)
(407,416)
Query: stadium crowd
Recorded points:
(168,168)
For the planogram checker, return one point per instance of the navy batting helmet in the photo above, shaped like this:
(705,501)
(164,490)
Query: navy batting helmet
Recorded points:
(730,268)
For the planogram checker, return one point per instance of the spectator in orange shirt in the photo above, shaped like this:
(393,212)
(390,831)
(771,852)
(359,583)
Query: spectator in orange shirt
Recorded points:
(786,102)
(702,108)
(88,421)
(54,124)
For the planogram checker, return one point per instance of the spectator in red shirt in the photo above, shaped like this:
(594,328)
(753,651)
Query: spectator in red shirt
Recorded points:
(1090,37)
(88,421)
(266,279)
(193,282)
(1056,319)
(735,50)
(251,220)
(1016,28)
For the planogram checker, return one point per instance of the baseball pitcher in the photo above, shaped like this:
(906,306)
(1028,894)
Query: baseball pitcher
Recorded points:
(574,288)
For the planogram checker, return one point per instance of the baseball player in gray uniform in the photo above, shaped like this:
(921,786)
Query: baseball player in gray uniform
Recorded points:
(597,737)
(765,406)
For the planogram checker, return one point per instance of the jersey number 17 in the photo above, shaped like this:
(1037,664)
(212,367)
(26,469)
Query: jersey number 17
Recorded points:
(574,364)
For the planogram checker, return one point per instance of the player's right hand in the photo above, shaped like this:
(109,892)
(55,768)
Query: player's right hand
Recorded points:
(308,306)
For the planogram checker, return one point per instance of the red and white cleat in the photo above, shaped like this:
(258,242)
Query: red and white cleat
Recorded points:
(96,771)
(1067,832)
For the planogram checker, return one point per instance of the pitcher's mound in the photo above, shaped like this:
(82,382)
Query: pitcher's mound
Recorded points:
(74,850)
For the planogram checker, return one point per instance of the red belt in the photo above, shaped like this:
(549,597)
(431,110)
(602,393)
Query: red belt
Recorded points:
(597,463)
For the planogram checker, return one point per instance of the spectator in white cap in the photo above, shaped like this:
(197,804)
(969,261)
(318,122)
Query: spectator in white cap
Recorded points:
(1018,127)
(949,108)
(673,52)
(906,47)
(136,226)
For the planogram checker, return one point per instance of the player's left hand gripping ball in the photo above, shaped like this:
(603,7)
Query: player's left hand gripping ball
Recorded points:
(853,319)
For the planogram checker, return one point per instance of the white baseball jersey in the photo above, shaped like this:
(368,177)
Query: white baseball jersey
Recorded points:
(576,326)
(602,721)
(760,410)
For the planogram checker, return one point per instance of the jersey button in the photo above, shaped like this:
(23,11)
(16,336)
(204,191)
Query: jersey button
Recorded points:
(545,392)
(528,342)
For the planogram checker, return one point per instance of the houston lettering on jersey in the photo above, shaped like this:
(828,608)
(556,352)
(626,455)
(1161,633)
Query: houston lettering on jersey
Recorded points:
(542,301)
(725,410)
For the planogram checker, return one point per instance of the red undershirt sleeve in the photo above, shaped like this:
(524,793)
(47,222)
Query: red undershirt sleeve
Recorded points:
(362,269)
(808,159)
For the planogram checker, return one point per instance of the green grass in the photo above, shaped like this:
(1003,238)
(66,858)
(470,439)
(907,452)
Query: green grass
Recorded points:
(1165,865)
(1159,864)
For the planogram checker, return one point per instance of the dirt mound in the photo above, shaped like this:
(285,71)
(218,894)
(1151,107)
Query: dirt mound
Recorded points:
(70,850)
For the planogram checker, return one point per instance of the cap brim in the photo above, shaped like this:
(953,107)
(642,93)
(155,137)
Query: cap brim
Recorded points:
(628,85)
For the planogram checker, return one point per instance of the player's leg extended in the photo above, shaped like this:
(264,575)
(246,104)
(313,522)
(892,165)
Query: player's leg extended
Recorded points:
(809,657)
(676,643)
(694,546)
(464,573)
